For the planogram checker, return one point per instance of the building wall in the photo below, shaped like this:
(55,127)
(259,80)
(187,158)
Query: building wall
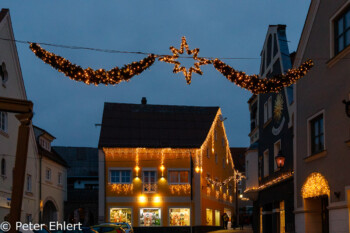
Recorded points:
(14,88)
(323,90)
(220,168)
(51,189)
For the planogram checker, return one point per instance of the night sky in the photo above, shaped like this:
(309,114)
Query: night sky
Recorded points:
(220,28)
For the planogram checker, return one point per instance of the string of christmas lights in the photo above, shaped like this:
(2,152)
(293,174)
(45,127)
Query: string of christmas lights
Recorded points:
(316,185)
(90,76)
(178,68)
(253,83)
(272,182)
(257,85)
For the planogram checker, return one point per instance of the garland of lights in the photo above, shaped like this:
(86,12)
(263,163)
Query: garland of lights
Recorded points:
(257,85)
(178,68)
(272,182)
(316,185)
(253,83)
(90,76)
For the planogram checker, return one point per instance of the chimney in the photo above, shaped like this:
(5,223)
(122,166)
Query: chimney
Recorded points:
(143,100)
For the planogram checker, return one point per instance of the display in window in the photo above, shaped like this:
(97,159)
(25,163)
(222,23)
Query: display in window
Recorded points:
(209,216)
(150,217)
(120,215)
(179,216)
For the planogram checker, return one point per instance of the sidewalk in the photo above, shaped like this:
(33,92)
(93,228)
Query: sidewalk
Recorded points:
(245,230)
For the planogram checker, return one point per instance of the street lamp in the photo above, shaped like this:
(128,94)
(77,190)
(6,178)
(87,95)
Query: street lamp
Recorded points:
(280,159)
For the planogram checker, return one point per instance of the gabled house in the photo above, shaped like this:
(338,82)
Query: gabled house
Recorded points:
(267,184)
(12,86)
(322,139)
(166,166)
(52,178)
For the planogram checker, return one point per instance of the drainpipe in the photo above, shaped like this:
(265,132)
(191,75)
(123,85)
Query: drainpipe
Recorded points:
(40,174)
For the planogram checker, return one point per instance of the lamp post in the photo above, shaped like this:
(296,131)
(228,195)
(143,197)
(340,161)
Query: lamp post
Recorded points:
(280,159)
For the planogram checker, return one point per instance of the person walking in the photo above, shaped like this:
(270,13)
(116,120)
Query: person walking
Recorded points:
(225,218)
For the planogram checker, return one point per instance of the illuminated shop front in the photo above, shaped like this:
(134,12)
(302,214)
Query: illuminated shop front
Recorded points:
(209,216)
(179,217)
(120,215)
(150,217)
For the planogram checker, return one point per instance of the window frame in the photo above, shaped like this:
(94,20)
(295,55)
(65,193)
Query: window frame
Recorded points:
(155,180)
(178,170)
(316,117)
(29,183)
(50,174)
(3,122)
(120,169)
(336,35)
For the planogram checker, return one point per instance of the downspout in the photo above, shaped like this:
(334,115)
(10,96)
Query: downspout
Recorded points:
(40,202)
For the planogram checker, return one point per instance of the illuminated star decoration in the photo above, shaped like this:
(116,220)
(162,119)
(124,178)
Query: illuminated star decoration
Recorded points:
(178,68)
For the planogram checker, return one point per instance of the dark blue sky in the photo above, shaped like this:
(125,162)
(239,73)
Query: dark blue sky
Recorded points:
(220,28)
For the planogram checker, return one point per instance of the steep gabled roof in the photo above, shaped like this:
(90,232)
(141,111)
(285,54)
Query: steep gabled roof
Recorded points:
(155,126)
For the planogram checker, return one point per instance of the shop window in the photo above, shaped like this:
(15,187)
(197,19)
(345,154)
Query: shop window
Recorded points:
(150,217)
(217,217)
(209,217)
(179,216)
(149,181)
(178,177)
(120,215)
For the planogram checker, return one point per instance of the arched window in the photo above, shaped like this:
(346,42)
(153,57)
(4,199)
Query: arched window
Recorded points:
(3,167)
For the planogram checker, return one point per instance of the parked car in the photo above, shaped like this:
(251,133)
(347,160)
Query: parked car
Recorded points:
(108,228)
(126,226)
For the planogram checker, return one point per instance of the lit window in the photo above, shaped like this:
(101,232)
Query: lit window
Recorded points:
(29,183)
(3,167)
(149,181)
(3,121)
(342,32)
(217,217)
(179,216)
(317,134)
(266,163)
(282,218)
(209,217)
(150,217)
(178,177)
(48,174)
(120,215)
(120,176)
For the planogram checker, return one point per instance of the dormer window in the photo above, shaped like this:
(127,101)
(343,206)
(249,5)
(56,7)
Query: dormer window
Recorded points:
(44,143)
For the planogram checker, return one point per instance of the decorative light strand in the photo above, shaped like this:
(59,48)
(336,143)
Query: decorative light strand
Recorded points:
(178,68)
(90,76)
(272,182)
(315,185)
(257,85)
(180,188)
(122,188)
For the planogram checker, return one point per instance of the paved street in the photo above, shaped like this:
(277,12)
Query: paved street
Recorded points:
(245,230)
